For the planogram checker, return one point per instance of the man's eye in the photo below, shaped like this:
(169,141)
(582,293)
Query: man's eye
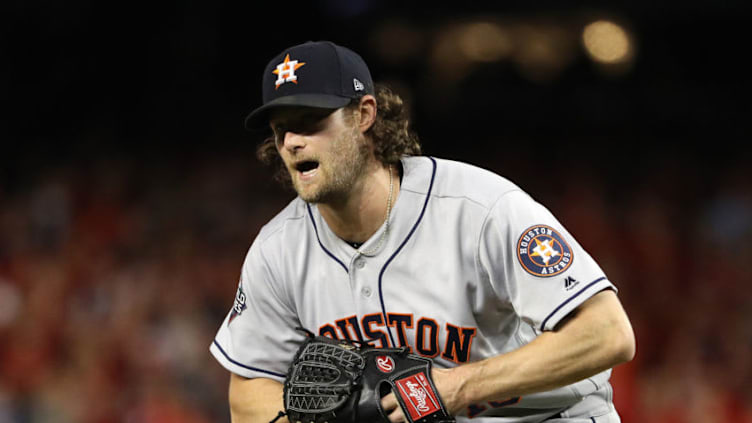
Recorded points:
(307,126)
(279,130)
(279,133)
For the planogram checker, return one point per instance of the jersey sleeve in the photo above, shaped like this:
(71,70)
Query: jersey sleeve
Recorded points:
(534,264)
(258,336)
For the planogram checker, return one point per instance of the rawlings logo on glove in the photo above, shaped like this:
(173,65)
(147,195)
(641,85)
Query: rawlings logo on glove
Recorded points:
(343,381)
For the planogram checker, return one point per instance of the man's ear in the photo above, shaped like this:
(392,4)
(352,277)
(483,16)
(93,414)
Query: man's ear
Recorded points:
(367,112)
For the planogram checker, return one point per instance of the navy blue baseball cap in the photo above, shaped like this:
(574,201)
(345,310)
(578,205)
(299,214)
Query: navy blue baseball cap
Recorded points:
(313,74)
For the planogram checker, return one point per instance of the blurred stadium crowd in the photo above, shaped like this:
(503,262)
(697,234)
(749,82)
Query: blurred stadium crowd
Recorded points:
(116,272)
(116,267)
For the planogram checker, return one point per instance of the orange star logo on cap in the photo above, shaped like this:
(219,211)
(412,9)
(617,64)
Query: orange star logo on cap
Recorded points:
(286,71)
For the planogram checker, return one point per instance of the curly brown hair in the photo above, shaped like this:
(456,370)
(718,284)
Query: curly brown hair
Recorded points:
(390,133)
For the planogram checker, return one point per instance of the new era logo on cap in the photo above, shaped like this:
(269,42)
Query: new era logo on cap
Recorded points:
(358,85)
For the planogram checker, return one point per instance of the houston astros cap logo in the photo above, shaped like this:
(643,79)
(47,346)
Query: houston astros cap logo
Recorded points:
(286,71)
(543,252)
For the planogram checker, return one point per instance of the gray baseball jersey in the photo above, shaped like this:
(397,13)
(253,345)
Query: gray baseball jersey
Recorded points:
(472,267)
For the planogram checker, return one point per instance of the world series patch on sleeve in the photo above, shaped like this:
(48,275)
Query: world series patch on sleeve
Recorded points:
(343,381)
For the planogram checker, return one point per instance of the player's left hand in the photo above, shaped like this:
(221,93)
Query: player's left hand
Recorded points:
(447,387)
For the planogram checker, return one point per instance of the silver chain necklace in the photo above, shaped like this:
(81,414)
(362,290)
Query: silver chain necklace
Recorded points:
(371,252)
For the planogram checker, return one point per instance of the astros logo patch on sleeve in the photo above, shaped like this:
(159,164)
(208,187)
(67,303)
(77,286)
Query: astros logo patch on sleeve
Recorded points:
(543,252)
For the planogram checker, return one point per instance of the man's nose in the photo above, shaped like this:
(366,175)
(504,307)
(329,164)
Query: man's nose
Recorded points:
(293,141)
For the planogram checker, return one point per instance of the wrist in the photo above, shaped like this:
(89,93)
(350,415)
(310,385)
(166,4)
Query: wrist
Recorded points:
(477,383)
(456,388)
(468,377)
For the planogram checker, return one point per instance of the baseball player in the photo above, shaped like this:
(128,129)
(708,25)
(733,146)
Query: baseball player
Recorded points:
(384,245)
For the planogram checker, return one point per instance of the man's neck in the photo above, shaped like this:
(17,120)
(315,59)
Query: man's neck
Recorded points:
(358,216)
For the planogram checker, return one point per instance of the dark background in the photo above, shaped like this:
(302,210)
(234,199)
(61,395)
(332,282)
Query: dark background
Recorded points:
(129,191)
(85,78)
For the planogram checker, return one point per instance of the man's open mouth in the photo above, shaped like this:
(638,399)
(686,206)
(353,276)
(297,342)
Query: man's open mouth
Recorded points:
(307,167)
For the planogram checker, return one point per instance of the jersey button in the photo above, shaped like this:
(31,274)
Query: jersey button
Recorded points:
(360,263)
(366,292)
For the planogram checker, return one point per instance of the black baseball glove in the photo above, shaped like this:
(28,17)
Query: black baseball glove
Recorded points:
(343,381)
